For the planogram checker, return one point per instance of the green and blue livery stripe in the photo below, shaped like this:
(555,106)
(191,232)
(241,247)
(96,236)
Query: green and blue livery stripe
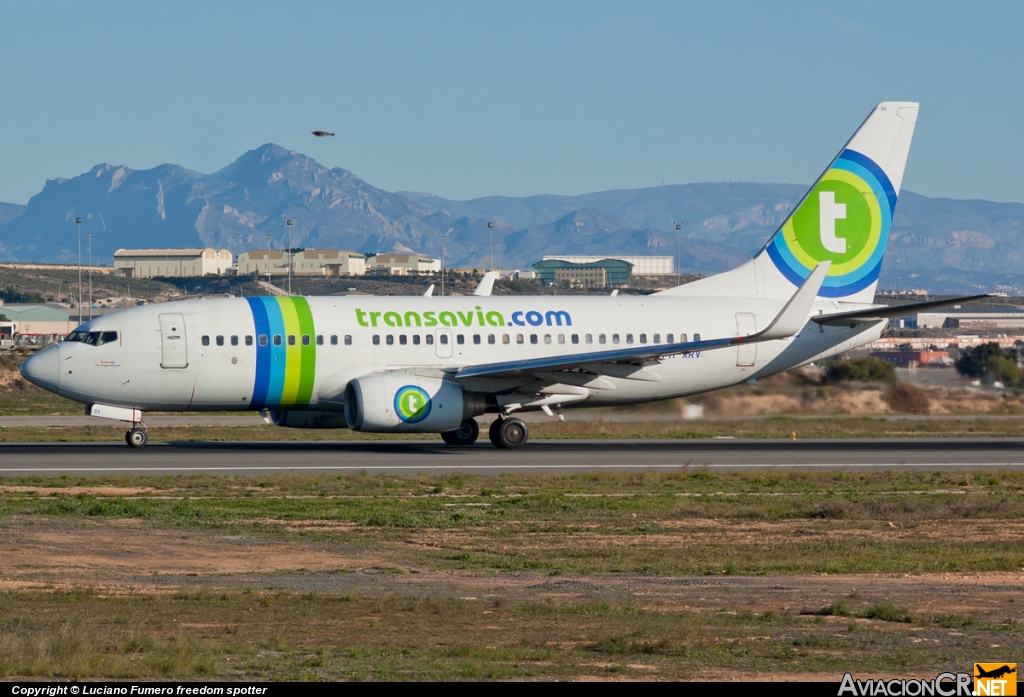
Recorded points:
(285,371)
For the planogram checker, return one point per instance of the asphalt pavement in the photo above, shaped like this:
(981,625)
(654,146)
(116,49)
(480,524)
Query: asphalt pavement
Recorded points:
(538,456)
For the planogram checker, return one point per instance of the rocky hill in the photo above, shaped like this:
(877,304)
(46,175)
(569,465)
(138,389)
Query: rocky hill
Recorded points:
(944,245)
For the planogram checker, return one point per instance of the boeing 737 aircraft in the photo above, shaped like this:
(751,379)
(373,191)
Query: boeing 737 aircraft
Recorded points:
(432,364)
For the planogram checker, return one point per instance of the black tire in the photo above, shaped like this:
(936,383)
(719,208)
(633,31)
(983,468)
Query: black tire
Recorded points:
(512,433)
(492,433)
(466,434)
(137,437)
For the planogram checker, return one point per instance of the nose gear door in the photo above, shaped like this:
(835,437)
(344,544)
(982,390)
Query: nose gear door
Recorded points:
(173,341)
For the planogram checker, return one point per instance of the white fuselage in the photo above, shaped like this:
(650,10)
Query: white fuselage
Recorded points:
(224,354)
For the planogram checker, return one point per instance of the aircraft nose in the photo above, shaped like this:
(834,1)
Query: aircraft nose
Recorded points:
(43,368)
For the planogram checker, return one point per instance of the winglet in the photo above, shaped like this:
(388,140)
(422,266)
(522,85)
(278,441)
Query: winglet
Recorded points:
(794,315)
(486,283)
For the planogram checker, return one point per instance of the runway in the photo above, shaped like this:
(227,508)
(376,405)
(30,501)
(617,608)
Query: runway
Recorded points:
(539,456)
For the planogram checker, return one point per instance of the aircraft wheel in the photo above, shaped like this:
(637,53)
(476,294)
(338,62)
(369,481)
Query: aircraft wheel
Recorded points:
(512,433)
(466,434)
(492,433)
(137,437)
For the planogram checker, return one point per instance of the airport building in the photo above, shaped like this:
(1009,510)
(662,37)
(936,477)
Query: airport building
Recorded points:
(178,263)
(319,262)
(401,264)
(593,274)
(642,265)
(34,324)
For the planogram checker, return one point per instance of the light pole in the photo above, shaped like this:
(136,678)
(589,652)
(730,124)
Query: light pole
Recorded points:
(442,266)
(288,224)
(89,235)
(268,264)
(679,233)
(78,222)
(490,236)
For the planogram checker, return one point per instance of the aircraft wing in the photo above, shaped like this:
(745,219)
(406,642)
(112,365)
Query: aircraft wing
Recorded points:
(873,314)
(787,323)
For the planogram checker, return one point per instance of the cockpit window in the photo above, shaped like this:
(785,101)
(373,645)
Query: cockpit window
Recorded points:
(92,338)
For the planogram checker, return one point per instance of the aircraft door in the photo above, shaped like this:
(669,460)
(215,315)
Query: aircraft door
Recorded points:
(173,341)
(746,354)
(443,343)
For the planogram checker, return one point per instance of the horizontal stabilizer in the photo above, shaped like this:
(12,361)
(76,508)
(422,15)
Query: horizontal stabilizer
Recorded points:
(873,314)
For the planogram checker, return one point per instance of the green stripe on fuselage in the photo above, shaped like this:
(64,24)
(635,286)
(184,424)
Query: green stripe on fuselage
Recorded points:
(307,353)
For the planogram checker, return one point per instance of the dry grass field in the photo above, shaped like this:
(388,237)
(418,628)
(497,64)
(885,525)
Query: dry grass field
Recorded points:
(592,576)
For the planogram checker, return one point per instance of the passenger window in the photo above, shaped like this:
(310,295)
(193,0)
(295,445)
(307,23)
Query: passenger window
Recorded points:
(206,341)
(416,339)
(547,338)
(348,339)
(696,337)
(682,338)
(248,340)
(533,338)
(234,341)
(561,338)
(376,339)
(668,338)
(519,338)
(476,338)
(430,339)
(390,339)
(444,338)
(575,338)
(615,338)
(643,338)
(319,339)
(305,339)
(263,339)
(460,339)
(277,340)
(220,340)
(629,338)
(291,339)
(589,338)
(505,338)
(657,338)
(490,338)
(601,339)
(402,339)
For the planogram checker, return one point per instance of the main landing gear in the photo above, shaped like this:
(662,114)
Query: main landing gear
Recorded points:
(137,437)
(508,432)
(505,432)
(466,434)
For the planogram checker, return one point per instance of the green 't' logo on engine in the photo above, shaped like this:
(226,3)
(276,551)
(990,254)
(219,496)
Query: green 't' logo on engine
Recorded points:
(412,404)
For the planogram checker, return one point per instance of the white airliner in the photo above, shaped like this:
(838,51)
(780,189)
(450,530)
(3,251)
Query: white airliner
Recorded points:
(431,364)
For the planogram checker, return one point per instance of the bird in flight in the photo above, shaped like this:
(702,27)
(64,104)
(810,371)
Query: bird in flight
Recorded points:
(321,134)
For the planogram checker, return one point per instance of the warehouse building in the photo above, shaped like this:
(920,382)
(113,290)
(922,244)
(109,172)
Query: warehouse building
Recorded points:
(34,325)
(319,262)
(178,263)
(401,264)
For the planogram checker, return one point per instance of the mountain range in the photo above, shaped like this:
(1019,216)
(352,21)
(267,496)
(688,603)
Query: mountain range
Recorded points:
(943,245)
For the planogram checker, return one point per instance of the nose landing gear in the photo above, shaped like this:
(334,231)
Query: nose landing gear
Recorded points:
(137,437)
(508,433)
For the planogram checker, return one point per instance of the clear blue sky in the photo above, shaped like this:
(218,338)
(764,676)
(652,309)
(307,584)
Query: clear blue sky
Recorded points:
(467,99)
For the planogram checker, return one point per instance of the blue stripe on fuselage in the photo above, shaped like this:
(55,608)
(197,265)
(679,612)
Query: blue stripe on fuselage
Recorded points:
(262,328)
(278,355)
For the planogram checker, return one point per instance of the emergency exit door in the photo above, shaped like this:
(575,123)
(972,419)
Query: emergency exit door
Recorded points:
(173,341)
(746,354)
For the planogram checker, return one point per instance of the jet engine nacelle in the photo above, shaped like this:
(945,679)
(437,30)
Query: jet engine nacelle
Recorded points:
(308,419)
(406,403)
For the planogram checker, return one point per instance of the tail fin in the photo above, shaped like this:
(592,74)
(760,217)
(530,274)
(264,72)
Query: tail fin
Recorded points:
(844,219)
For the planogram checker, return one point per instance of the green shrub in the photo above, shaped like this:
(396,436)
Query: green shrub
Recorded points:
(867,369)
(990,359)
(907,399)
